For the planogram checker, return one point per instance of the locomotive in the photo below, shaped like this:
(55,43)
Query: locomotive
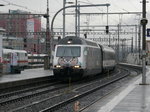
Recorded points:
(76,57)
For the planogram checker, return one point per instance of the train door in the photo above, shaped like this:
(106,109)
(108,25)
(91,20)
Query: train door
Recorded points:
(14,63)
(14,59)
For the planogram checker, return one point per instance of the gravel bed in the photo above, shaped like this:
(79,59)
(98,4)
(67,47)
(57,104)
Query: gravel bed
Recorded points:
(16,88)
(65,95)
(35,99)
(96,95)
(29,100)
(51,102)
(25,94)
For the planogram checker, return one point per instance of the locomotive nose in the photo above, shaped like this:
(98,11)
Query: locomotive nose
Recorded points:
(67,59)
(67,65)
(68,70)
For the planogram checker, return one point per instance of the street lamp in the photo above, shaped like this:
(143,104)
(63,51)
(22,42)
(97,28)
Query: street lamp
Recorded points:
(64,18)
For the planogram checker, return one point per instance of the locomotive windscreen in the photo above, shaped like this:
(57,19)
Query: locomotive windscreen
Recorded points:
(68,51)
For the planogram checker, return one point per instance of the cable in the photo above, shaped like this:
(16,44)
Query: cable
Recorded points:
(100,9)
(10,3)
(121,9)
(112,18)
(132,4)
(93,4)
(58,2)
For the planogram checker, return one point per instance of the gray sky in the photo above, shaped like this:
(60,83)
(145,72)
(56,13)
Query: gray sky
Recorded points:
(39,6)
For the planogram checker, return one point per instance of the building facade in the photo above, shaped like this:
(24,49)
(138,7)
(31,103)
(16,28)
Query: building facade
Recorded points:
(21,24)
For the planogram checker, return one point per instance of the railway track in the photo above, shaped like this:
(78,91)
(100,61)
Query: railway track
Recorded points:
(25,84)
(60,98)
(27,93)
(81,94)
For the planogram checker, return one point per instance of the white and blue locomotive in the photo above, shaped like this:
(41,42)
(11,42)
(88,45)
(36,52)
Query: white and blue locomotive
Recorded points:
(76,57)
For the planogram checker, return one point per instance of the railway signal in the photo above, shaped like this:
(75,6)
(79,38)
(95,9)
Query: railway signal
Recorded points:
(107,29)
(85,36)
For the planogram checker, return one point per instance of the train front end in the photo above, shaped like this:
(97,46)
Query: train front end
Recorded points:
(67,62)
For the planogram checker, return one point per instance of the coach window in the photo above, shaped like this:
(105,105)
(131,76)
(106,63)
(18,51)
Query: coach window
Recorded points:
(85,52)
(26,54)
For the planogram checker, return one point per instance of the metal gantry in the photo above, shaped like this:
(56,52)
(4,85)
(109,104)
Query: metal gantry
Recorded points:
(77,7)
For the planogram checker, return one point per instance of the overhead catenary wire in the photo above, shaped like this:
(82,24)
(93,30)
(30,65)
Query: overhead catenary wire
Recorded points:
(102,11)
(17,5)
(120,20)
(58,2)
(10,3)
(132,4)
(123,8)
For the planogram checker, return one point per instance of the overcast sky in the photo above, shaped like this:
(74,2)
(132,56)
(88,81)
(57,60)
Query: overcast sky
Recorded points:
(39,6)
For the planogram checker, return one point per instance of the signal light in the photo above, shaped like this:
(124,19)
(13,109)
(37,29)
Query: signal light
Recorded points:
(85,36)
(59,38)
(107,29)
(45,15)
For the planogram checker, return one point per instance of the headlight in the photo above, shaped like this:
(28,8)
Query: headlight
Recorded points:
(76,66)
(58,66)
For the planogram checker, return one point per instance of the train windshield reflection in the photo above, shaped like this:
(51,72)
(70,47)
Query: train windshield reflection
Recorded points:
(68,51)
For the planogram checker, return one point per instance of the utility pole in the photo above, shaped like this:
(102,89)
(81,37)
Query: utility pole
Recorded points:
(118,41)
(79,20)
(132,45)
(122,51)
(76,19)
(64,18)
(139,40)
(132,48)
(109,39)
(107,15)
(136,38)
(143,23)
(48,41)
(107,28)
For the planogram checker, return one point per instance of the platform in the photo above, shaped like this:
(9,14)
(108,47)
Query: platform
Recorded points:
(133,97)
(26,75)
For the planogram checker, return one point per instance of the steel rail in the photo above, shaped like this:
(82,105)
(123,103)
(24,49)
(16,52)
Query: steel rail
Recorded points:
(55,96)
(26,90)
(29,95)
(74,98)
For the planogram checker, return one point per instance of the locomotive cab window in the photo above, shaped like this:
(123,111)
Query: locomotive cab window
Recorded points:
(68,51)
